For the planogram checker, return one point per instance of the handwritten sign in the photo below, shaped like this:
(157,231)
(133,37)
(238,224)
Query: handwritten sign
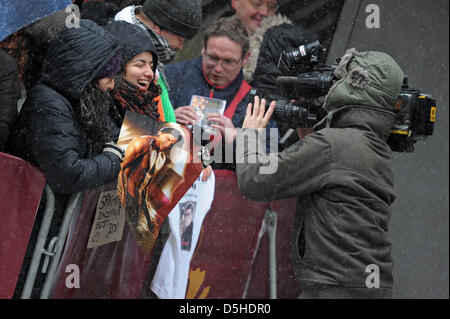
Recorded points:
(109,220)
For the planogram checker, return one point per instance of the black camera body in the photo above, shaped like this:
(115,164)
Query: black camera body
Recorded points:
(414,119)
(415,112)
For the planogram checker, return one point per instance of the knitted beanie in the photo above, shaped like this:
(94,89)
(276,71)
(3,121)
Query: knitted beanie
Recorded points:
(183,18)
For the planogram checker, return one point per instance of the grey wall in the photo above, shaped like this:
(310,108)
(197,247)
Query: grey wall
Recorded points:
(415,33)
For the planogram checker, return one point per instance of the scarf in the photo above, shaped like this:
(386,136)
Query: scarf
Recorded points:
(128,96)
(163,50)
(96,113)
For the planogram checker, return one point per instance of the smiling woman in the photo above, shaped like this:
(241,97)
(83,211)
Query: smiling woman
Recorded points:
(139,70)
(136,89)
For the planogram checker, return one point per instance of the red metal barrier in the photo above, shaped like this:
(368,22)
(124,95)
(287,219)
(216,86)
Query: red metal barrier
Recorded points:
(222,262)
(229,236)
(21,189)
(115,270)
(287,286)
(220,266)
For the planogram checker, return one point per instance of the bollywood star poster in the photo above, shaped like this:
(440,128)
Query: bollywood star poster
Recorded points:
(161,163)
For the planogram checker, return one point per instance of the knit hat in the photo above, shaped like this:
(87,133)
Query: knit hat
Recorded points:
(98,11)
(110,69)
(133,40)
(181,17)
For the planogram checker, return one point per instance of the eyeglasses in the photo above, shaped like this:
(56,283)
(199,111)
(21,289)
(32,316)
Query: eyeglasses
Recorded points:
(257,4)
(212,61)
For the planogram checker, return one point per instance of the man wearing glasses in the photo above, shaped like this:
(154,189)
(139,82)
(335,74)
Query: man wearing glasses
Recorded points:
(217,73)
(250,12)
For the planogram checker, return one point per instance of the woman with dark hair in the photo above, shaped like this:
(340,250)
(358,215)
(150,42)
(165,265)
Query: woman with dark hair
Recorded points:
(135,88)
(68,121)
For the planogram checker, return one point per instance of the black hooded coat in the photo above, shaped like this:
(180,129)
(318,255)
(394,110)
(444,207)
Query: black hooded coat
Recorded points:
(47,132)
(275,35)
(9,95)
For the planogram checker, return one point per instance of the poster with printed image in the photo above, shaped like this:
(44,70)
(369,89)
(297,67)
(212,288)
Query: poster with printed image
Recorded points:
(205,105)
(187,216)
(160,165)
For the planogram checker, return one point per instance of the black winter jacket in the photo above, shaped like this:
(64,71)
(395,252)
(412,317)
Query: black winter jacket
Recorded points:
(275,35)
(9,95)
(47,132)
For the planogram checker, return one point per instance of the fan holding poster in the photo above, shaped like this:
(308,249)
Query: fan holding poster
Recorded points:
(158,168)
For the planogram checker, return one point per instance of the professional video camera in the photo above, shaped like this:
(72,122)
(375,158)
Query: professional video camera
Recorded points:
(415,111)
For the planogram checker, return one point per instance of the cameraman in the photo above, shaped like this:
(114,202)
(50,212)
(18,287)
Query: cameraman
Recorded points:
(343,179)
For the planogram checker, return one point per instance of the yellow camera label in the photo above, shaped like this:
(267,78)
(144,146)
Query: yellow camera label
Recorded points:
(433,114)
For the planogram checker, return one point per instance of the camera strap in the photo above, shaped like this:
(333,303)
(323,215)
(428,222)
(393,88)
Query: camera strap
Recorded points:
(241,93)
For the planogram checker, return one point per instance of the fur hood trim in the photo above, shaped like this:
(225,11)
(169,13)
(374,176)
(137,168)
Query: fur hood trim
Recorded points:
(341,70)
(256,40)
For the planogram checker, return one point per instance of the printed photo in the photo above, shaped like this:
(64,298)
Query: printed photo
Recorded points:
(158,168)
(205,105)
(187,215)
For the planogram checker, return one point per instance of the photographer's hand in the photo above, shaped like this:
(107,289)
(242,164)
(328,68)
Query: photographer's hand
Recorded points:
(258,118)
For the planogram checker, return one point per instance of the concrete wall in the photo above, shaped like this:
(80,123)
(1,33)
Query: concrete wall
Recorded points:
(415,33)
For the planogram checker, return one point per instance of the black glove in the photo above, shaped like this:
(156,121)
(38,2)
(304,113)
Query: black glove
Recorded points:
(117,150)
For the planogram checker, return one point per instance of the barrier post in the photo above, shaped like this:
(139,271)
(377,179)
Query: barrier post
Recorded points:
(73,204)
(39,247)
(271,227)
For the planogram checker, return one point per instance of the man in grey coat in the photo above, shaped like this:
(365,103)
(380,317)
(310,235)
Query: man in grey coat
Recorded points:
(342,177)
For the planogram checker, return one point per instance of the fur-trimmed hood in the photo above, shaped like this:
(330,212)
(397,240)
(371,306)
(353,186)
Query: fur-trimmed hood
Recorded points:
(371,79)
(366,90)
(256,40)
(275,35)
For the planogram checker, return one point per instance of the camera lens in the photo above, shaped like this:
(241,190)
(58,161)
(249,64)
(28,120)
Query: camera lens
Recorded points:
(304,54)
(294,115)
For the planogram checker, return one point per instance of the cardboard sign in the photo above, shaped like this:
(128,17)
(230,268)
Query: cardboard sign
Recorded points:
(109,220)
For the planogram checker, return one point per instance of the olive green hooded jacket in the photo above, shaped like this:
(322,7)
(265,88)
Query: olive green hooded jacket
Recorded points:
(343,179)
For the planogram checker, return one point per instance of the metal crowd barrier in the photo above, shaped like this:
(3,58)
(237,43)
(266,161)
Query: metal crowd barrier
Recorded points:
(72,205)
(269,226)
(55,247)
